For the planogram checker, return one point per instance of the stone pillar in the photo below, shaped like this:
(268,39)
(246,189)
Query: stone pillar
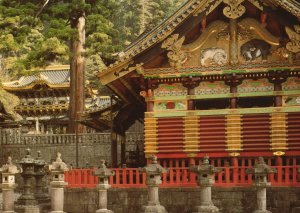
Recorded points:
(205,180)
(57,184)
(8,185)
(103,174)
(39,169)
(153,179)
(260,171)
(27,202)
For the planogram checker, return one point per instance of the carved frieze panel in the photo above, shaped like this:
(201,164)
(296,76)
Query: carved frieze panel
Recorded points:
(292,83)
(217,87)
(175,89)
(261,85)
(291,100)
(294,36)
(170,105)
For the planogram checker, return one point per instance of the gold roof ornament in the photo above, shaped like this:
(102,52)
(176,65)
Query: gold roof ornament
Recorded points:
(235,9)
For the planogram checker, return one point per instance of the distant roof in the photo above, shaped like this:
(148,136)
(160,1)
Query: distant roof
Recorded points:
(53,76)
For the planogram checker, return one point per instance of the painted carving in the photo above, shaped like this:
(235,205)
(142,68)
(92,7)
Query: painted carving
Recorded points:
(170,105)
(213,56)
(294,44)
(254,49)
(176,56)
(234,8)
(175,89)
(250,85)
(250,24)
(211,29)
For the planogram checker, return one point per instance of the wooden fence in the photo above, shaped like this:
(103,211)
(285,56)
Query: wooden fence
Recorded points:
(182,177)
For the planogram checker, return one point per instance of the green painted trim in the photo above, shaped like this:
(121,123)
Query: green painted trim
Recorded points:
(291,92)
(252,94)
(243,111)
(233,71)
(278,69)
(225,95)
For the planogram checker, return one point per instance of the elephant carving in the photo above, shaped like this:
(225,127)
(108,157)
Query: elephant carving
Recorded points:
(213,56)
(254,49)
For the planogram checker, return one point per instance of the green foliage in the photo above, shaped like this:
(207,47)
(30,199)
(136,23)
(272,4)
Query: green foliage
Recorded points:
(34,35)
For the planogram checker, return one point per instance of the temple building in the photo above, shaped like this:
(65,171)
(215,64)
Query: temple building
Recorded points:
(219,78)
(44,99)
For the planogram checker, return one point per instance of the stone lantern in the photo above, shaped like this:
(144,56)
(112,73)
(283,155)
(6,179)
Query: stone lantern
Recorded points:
(153,180)
(205,180)
(8,185)
(57,184)
(27,199)
(260,172)
(39,168)
(103,174)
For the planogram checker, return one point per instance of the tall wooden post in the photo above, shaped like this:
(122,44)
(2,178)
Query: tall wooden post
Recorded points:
(233,81)
(191,83)
(114,138)
(277,78)
(77,64)
(123,148)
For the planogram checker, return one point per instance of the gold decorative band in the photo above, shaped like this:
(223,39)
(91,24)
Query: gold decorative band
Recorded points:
(151,136)
(191,135)
(233,133)
(278,133)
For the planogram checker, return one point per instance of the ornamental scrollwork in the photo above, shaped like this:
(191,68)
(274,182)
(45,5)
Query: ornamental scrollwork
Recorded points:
(294,36)
(176,56)
(234,8)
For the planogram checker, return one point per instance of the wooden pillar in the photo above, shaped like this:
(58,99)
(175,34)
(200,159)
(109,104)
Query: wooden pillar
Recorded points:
(114,149)
(233,101)
(190,83)
(278,98)
(114,138)
(233,81)
(277,78)
(279,163)
(235,165)
(191,91)
(123,148)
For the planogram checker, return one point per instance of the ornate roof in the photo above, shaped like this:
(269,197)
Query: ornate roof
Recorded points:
(168,26)
(53,76)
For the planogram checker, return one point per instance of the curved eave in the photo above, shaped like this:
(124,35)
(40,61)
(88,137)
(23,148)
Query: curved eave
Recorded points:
(32,85)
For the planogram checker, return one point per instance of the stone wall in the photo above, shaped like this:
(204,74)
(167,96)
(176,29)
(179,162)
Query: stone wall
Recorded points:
(181,200)
(90,149)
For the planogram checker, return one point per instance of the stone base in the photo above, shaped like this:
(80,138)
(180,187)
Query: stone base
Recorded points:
(154,209)
(104,211)
(1,211)
(262,211)
(27,209)
(57,212)
(206,209)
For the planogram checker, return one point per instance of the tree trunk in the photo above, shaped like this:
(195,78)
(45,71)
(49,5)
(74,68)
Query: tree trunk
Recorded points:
(77,66)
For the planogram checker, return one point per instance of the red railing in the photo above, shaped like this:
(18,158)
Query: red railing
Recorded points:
(181,177)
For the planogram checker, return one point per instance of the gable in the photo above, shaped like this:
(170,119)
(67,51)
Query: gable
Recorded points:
(210,38)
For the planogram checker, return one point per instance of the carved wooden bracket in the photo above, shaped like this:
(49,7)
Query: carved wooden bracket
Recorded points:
(294,44)
(176,56)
